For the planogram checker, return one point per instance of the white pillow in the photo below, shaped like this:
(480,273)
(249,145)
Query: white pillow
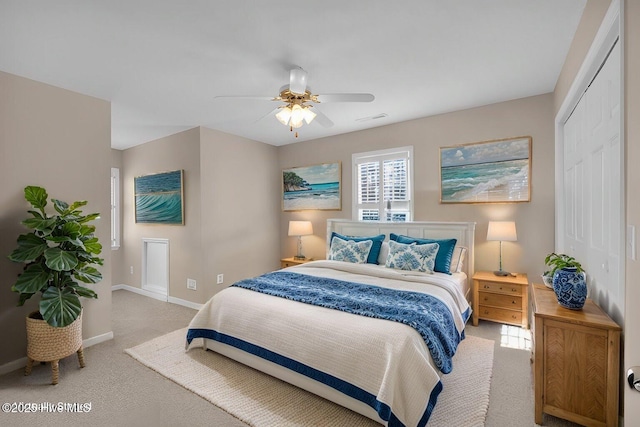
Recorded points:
(349,250)
(457,259)
(412,257)
(384,252)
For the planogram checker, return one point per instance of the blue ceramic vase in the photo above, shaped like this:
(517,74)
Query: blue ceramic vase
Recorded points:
(570,287)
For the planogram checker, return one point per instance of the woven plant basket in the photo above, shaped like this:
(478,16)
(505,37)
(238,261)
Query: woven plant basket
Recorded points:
(46,343)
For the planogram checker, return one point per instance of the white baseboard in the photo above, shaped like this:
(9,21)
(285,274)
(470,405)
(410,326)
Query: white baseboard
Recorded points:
(157,296)
(22,362)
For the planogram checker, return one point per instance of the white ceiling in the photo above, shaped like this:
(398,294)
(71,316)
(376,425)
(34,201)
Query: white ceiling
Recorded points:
(162,63)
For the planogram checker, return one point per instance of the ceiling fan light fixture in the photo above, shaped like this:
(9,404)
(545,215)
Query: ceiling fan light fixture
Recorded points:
(284,115)
(297,116)
(309,115)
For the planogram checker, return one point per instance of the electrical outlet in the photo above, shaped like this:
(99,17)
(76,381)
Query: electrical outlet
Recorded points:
(132,270)
(191,284)
(220,279)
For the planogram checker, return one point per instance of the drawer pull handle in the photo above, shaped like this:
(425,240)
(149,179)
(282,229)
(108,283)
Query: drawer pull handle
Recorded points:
(513,316)
(513,302)
(486,312)
(500,287)
(514,290)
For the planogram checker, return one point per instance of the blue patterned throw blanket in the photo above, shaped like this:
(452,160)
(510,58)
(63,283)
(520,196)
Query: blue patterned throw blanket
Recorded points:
(425,313)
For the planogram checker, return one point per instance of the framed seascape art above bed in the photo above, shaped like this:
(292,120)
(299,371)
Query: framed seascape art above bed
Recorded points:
(316,187)
(372,338)
(496,171)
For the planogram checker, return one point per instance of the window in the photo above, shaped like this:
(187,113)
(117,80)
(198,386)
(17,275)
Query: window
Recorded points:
(382,182)
(115,208)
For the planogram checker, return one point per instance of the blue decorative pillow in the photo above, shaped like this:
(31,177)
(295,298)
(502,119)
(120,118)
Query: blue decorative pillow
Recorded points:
(412,257)
(443,259)
(349,251)
(375,247)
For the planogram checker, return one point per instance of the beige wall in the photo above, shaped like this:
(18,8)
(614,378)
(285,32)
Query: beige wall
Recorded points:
(59,140)
(231,225)
(534,221)
(179,151)
(240,208)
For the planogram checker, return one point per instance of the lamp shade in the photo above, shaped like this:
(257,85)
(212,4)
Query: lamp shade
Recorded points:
(504,231)
(300,228)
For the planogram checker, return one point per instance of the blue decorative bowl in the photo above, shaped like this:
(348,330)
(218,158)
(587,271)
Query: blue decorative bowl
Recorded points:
(570,288)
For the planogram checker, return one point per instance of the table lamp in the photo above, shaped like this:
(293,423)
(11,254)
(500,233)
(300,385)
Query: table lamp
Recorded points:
(299,229)
(502,231)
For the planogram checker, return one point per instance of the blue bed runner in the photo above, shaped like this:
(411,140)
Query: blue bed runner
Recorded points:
(425,313)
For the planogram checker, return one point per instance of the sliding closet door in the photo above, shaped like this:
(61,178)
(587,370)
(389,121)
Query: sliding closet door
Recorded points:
(593,184)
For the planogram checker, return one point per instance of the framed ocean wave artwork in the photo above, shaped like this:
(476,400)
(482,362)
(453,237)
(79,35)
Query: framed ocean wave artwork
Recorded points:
(312,187)
(497,171)
(159,198)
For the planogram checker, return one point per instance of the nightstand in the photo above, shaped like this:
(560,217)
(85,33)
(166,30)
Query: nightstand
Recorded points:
(289,262)
(501,299)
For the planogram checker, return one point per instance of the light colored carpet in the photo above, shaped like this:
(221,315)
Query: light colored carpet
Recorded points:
(261,400)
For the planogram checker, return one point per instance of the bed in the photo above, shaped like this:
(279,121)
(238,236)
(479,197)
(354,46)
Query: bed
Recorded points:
(371,338)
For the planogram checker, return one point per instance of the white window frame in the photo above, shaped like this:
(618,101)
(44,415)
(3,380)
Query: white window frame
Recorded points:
(380,156)
(115,208)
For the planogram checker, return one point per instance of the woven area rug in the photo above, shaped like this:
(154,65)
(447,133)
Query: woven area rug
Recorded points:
(261,400)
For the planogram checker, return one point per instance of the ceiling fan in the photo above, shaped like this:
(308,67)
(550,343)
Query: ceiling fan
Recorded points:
(299,102)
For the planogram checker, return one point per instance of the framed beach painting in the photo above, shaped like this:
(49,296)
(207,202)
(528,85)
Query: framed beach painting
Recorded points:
(497,171)
(312,187)
(159,198)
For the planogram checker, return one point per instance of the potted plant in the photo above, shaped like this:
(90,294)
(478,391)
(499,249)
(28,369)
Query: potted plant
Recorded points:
(59,252)
(568,280)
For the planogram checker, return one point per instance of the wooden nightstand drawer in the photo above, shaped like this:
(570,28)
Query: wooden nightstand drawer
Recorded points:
(499,300)
(500,315)
(503,288)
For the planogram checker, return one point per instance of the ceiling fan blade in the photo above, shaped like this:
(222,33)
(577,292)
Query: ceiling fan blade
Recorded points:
(322,120)
(257,98)
(270,113)
(298,80)
(345,97)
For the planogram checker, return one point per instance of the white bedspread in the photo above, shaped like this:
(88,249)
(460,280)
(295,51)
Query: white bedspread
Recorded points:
(385,360)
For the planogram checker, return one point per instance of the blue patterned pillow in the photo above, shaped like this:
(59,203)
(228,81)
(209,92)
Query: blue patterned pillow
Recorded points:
(375,248)
(445,253)
(412,257)
(349,250)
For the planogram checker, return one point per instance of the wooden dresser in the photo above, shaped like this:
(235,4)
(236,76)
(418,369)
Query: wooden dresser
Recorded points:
(501,299)
(576,356)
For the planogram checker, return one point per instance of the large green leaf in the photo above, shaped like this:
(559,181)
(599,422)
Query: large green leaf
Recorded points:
(60,206)
(40,224)
(32,280)
(37,196)
(93,246)
(60,260)
(29,248)
(60,307)
(88,218)
(85,292)
(88,275)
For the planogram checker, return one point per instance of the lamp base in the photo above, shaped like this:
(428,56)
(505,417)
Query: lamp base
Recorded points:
(502,273)
(300,257)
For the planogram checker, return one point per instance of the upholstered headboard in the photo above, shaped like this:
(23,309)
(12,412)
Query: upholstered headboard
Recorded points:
(464,232)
